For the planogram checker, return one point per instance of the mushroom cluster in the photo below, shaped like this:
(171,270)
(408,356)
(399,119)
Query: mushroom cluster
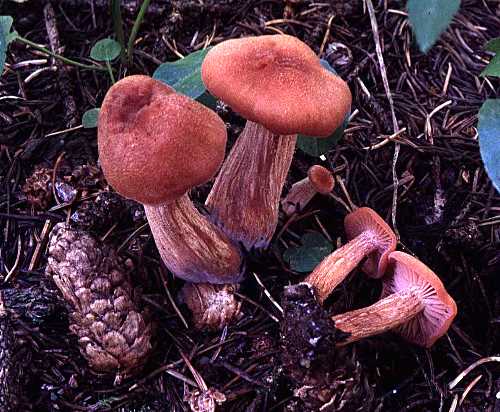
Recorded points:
(414,302)
(155,145)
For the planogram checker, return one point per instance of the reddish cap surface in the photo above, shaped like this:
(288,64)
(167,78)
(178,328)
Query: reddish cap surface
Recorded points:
(155,144)
(366,219)
(439,307)
(277,81)
(321,178)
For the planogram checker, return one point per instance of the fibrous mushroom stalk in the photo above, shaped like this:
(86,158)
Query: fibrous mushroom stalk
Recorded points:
(191,246)
(335,267)
(386,314)
(299,196)
(318,180)
(244,200)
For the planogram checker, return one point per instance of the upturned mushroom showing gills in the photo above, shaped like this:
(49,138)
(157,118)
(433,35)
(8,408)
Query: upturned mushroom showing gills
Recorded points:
(414,304)
(319,180)
(154,146)
(369,237)
(278,84)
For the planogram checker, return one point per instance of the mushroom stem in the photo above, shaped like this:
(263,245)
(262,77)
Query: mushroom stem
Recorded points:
(386,314)
(244,200)
(335,267)
(299,196)
(191,246)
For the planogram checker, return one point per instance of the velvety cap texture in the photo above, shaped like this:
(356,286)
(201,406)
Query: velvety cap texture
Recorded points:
(321,178)
(155,144)
(279,82)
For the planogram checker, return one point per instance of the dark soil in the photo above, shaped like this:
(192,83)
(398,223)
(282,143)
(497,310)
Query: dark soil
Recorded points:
(447,212)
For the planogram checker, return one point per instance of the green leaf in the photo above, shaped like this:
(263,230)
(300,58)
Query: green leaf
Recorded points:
(3,50)
(489,139)
(106,50)
(5,38)
(493,45)
(184,75)
(317,146)
(207,100)
(429,18)
(315,247)
(90,118)
(493,67)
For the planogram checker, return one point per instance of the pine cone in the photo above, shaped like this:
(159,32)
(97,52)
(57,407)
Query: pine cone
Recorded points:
(114,335)
(87,177)
(212,306)
(34,302)
(38,187)
(102,212)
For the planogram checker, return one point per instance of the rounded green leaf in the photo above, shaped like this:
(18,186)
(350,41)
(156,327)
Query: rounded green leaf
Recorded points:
(315,247)
(5,38)
(429,18)
(493,67)
(90,118)
(317,146)
(184,75)
(489,139)
(105,50)
(493,45)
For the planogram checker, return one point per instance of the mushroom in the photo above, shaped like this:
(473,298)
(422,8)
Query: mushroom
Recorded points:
(278,84)
(318,180)
(414,303)
(154,146)
(369,236)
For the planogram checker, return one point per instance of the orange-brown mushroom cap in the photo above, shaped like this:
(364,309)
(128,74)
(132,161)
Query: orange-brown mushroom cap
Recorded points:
(321,178)
(279,82)
(155,144)
(365,219)
(439,307)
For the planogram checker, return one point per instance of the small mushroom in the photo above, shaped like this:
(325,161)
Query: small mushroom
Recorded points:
(414,303)
(278,84)
(318,180)
(154,146)
(369,237)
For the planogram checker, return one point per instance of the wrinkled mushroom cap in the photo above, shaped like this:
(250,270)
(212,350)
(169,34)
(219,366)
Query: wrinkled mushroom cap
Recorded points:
(439,307)
(366,219)
(155,144)
(321,178)
(279,82)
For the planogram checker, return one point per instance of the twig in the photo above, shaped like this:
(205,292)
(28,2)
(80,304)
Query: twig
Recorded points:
(266,292)
(58,56)
(41,242)
(116,13)
(135,29)
(383,73)
(62,72)
(463,374)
